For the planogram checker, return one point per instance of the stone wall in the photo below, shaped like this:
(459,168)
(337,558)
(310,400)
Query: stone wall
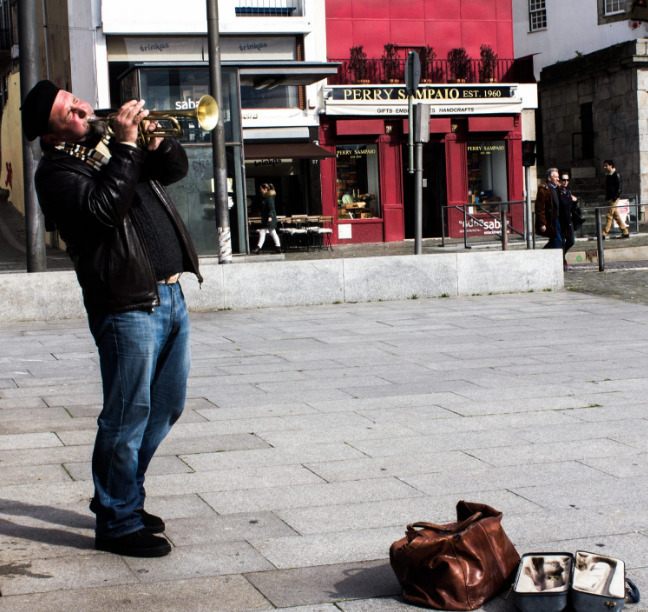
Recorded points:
(26,297)
(615,82)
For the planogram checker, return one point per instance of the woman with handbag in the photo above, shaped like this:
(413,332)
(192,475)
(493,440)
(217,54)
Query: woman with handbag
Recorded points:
(567,203)
(268,218)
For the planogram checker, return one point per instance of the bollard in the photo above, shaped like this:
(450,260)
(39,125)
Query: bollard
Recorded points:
(504,224)
(465,227)
(599,241)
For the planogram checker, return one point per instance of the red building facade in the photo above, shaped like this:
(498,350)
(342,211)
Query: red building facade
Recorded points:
(474,153)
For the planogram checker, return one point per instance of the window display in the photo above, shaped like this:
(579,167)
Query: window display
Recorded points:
(357,181)
(487,179)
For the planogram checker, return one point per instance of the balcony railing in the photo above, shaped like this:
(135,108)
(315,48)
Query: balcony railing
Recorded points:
(377,71)
(269,8)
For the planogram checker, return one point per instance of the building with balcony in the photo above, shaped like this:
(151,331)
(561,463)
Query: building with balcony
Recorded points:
(482,105)
(592,86)
(336,147)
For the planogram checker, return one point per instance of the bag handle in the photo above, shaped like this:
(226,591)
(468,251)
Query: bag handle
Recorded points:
(632,592)
(452,528)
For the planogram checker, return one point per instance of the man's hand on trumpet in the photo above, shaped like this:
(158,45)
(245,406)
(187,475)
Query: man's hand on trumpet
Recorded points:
(126,124)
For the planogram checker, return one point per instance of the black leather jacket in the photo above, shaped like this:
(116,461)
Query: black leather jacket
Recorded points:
(92,211)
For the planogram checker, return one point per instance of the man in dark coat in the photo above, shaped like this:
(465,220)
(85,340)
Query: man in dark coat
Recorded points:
(547,209)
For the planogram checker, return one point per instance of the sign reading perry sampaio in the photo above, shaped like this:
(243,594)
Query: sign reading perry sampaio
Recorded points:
(443,100)
(436,92)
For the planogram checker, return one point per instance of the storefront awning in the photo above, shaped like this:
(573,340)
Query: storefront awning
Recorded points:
(285,150)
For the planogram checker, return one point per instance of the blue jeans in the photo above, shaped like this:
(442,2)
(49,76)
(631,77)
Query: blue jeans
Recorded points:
(144,358)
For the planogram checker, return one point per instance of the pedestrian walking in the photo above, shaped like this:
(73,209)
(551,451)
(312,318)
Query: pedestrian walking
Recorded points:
(546,210)
(567,202)
(268,218)
(105,196)
(612,195)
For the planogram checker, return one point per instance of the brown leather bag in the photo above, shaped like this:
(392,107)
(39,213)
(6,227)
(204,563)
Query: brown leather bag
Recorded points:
(458,566)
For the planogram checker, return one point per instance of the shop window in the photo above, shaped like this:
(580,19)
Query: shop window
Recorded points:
(357,181)
(487,178)
(281,96)
(291,179)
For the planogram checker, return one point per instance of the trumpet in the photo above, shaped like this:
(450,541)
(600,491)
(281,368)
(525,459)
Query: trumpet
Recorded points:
(168,126)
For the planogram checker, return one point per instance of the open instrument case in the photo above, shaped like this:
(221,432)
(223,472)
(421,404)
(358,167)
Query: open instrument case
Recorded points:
(557,581)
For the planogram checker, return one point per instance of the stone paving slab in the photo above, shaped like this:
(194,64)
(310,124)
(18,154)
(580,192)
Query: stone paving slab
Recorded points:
(306,496)
(41,575)
(233,527)
(312,435)
(310,586)
(210,594)
(316,520)
(399,466)
(296,454)
(211,559)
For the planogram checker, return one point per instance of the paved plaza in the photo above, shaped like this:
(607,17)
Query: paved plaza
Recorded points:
(313,435)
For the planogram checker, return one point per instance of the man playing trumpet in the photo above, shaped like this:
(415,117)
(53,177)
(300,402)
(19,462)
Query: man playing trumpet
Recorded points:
(106,198)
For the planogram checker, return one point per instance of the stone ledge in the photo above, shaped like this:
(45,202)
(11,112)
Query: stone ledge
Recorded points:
(56,295)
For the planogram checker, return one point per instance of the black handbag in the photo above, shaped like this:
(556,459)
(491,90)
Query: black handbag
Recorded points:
(577,217)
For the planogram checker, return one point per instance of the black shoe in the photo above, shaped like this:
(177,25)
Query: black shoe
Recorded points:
(603,236)
(152,523)
(278,250)
(625,235)
(255,251)
(137,544)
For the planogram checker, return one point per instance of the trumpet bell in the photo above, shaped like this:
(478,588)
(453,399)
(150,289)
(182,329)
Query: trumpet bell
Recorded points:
(207,113)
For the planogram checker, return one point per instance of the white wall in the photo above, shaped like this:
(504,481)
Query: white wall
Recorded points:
(572,26)
(190,17)
(161,18)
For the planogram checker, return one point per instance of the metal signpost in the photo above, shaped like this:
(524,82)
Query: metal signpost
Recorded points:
(421,129)
(412,79)
(218,139)
(528,160)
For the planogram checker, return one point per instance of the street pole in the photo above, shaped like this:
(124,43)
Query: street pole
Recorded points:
(418,198)
(28,59)
(218,138)
(420,129)
(410,139)
(528,225)
(412,79)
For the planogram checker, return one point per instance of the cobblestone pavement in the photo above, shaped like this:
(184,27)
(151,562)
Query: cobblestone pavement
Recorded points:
(621,280)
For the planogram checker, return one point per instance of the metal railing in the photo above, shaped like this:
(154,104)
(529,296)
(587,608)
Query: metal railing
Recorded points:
(599,227)
(591,204)
(269,8)
(501,217)
(595,212)
(436,71)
